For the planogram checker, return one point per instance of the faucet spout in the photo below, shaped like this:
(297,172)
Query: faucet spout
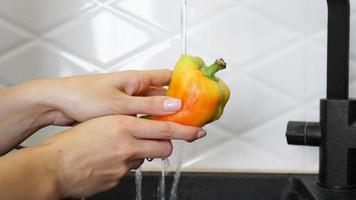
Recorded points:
(338,49)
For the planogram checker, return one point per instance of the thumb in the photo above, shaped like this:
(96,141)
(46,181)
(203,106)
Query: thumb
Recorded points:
(153,105)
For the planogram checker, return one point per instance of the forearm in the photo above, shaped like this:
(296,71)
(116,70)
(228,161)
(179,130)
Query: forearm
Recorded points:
(23,111)
(29,174)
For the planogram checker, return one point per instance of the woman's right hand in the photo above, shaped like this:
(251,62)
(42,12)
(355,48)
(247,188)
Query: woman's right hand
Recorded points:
(94,155)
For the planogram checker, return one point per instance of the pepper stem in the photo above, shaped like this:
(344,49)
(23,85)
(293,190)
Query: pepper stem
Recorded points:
(218,65)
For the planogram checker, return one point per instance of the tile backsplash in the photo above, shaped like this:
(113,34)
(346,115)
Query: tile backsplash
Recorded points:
(276,54)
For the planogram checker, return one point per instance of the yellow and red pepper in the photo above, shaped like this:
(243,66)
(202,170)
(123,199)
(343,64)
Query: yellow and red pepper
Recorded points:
(203,94)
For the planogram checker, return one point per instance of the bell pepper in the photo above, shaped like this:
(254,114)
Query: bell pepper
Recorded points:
(203,94)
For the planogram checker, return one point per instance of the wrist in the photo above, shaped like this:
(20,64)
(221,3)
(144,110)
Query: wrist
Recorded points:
(37,95)
(56,166)
(23,112)
(50,172)
(34,178)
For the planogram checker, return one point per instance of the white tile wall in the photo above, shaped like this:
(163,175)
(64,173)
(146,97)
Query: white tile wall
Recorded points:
(276,51)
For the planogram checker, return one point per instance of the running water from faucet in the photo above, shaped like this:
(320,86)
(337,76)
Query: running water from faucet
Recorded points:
(173,194)
(183,23)
(138,181)
(162,183)
(165,162)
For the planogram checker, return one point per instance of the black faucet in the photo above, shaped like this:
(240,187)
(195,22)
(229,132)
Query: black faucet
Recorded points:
(335,134)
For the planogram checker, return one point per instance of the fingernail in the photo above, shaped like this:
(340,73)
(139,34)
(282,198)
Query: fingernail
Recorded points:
(201,134)
(171,105)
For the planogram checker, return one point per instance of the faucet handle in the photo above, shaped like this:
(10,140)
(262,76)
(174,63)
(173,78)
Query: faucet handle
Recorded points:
(303,133)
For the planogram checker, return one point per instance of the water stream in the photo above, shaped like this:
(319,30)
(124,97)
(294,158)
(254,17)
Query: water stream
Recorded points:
(138,181)
(165,162)
(183,23)
(162,183)
(173,194)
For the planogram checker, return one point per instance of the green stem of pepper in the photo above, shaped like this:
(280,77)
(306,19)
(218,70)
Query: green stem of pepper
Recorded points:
(210,71)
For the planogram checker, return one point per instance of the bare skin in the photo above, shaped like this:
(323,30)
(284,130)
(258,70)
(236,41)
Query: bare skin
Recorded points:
(93,155)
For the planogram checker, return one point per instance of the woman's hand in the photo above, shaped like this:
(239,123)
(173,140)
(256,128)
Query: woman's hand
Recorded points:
(88,158)
(77,99)
(28,107)
(94,155)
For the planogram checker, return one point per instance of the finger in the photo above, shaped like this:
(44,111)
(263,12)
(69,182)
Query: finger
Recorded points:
(154,149)
(139,81)
(159,78)
(153,105)
(162,130)
(135,164)
(155,91)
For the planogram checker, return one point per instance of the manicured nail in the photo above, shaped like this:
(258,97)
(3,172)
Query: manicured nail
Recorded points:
(201,134)
(172,105)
